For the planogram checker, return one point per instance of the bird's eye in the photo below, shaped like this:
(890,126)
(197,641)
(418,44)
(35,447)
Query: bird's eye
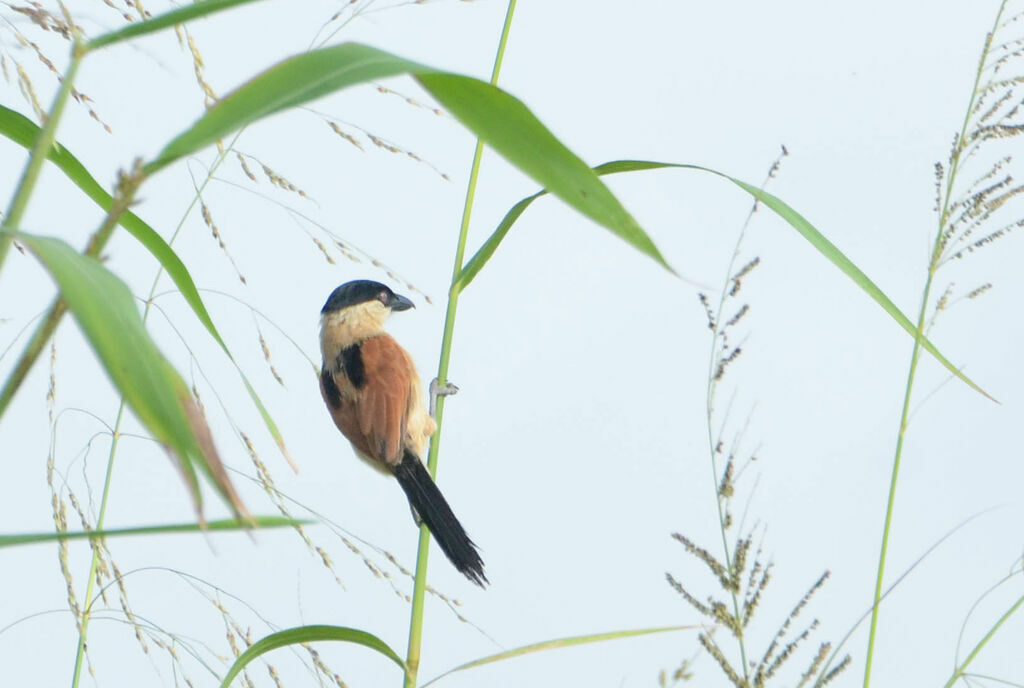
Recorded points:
(383,297)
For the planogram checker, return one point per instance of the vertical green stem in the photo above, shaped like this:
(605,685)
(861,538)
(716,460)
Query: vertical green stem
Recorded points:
(915,355)
(412,660)
(47,135)
(96,544)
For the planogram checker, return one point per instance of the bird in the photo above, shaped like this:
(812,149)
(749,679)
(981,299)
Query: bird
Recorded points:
(375,397)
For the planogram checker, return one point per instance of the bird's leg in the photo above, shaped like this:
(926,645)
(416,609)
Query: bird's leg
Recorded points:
(439,390)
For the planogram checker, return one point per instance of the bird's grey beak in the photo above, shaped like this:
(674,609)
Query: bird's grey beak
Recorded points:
(400,303)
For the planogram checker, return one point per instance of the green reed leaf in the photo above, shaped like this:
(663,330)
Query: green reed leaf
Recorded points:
(222,525)
(199,8)
(106,312)
(23,131)
(497,118)
(795,220)
(555,644)
(309,634)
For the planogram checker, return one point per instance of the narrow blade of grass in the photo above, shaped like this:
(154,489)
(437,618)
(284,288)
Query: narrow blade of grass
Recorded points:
(555,644)
(23,131)
(795,220)
(309,634)
(219,526)
(200,8)
(497,118)
(106,312)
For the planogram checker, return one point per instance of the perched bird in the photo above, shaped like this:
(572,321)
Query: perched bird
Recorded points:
(375,397)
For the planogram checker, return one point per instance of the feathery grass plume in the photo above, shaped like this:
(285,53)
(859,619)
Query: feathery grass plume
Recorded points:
(741,572)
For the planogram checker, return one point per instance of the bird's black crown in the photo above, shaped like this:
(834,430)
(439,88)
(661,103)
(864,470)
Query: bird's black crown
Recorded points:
(359,291)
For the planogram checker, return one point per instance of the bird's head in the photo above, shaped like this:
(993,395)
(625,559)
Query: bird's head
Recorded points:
(360,308)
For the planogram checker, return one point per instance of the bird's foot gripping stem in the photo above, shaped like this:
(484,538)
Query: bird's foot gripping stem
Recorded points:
(439,390)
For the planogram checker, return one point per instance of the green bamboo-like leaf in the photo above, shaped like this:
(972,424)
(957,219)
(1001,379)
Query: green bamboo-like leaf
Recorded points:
(497,118)
(200,8)
(218,526)
(309,634)
(23,131)
(795,220)
(555,644)
(107,314)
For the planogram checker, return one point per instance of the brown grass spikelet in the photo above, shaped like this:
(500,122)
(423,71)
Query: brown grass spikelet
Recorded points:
(274,676)
(723,662)
(323,249)
(245,168)
(51,391)
(704,301)
(379,142)
(724,362)
(318,664)
(702,608)
(45,20)
(204,211)
(280,182)
(744,309)
(835,671)
(736,280)
(126,608)
(410,101)
(344,134)
(975,293)
(816,663)
(266,357)
(29,93)
(209,95)
(726,486)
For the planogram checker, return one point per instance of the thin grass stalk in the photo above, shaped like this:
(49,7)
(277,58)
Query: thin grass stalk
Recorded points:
(45,140)
(716,355)
(915,355)
(412,660)
(984,641)
(94,566)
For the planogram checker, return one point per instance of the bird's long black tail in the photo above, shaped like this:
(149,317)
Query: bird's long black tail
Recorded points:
(430,504)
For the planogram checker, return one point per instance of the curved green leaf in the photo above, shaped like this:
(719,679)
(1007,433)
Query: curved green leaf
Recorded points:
(497,118)
(221,525)
(554,644)
(106,312)
(795,220)
(23,131)
(308,634)
(199,8)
